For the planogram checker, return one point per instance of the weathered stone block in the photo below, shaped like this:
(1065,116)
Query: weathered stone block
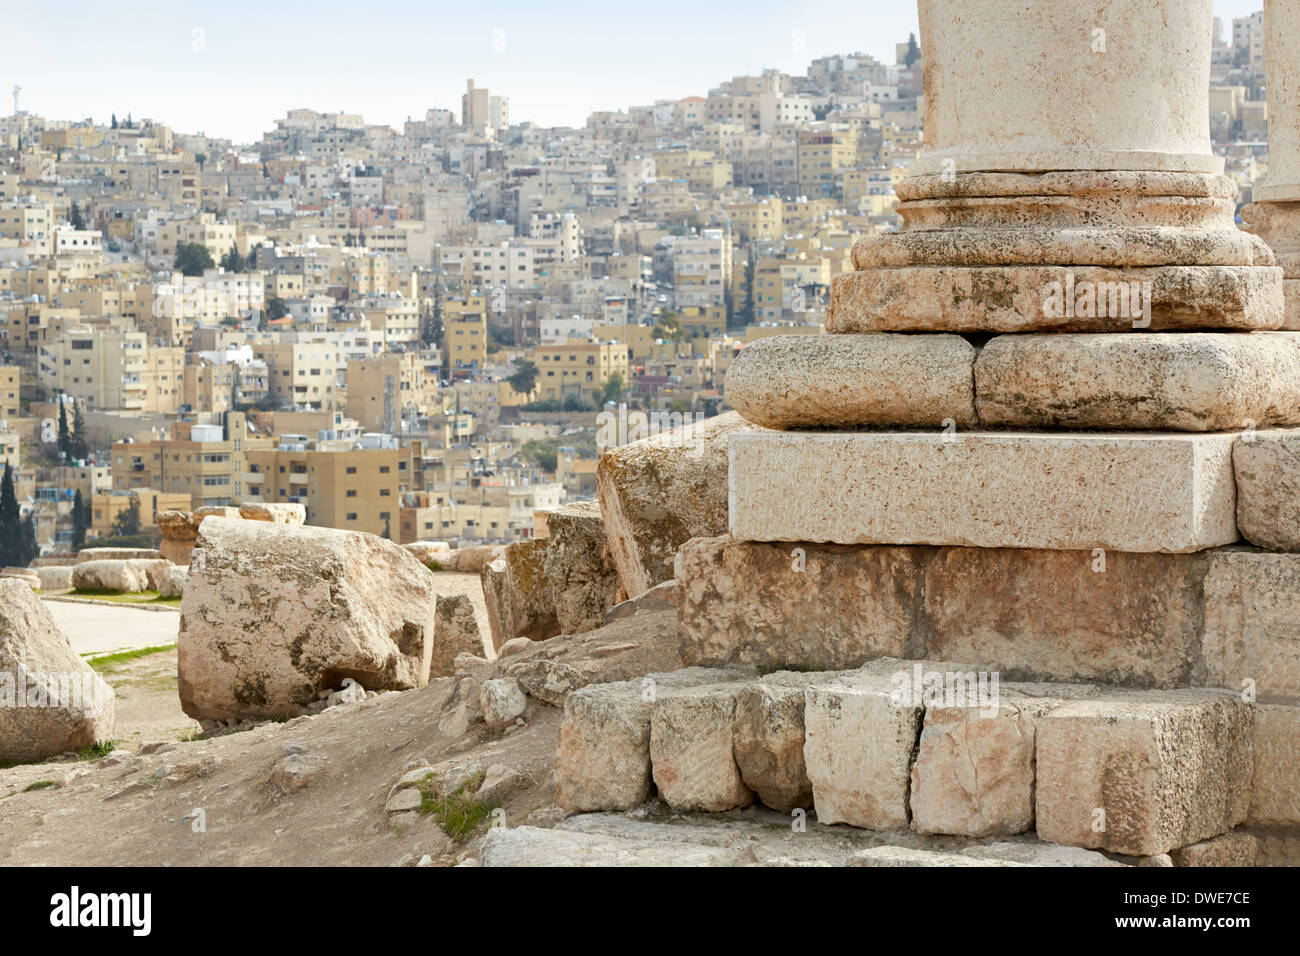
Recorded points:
(1013,299)
(858,747)
(602,759)
(1120,618)
(579,568)
(1267,468)
(274,613)
(691,749)
(1231,849)
(1275,785)
(1179,381)
(769,738)
(795,381)
(1125,492)
(1252,621)
(657,493)
(455,631)
(1143,774)
(50,699)
(810,606)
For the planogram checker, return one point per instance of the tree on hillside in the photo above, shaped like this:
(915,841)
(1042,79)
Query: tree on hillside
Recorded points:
(614,386)
(11,548)
(28,549)
(75,218)
(276,308)
(524,380)
(80,524)
(232,261)
(78,447)
(192,258)
(913,50)
(127,521)
(65,437)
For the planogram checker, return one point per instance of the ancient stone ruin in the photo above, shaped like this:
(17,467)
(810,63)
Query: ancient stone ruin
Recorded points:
(1050,409)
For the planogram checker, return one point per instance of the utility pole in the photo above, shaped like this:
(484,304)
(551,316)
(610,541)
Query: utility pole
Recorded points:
(17,89)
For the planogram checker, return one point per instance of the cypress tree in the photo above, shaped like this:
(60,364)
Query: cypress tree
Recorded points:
(11,550)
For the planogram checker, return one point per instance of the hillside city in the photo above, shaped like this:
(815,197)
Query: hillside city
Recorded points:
(415,333)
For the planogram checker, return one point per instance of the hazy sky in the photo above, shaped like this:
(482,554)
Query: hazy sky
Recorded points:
(231,68)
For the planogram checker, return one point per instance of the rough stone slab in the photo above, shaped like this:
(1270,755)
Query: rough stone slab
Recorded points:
(1267,467)
(817,608)
(1123,492)
(657,493)
(1252,622)
(1012,298)
(1276,846)
(1119,618)
(1143,774)
(909,856)
(691,749)
(533,846)
(50,699)
(769,737)
(1040,854)
(1275,787)
(1118,248)
(1231,849)
(1177,381)
(579,568)
(974,768)
(858,746)
(274,613)
(1291,304)
(455,632)
(839,381)
(602,759)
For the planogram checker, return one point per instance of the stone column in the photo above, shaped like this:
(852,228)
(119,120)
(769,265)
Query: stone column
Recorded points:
(1275,213)
(1066,192)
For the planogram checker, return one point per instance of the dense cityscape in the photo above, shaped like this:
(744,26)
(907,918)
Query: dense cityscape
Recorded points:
(414,332)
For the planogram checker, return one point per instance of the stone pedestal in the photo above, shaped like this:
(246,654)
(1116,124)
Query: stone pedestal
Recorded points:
(1275,214)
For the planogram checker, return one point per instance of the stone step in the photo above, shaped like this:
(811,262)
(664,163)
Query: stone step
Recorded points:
(1223,618)
(1016,299)
(945,751)
(1177,381)
(1123,491)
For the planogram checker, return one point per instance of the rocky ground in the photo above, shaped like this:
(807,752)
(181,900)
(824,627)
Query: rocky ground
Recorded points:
(311,790)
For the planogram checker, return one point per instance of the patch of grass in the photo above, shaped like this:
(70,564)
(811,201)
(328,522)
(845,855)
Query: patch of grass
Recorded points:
(40,785)
(106,661)
(133,597)
(434,566)
(458,813)
(97,751)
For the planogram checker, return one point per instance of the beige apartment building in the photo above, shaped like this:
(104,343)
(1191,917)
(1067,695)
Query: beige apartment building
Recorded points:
(29,223)
(209,464)
(384,390)
(578,367)
(10,380)
(302,373)
(102,370)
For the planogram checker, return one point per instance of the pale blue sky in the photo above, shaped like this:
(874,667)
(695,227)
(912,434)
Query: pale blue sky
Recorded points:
(390,59)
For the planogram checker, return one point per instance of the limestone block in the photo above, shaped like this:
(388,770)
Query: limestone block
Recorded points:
(50,699)
(1232,849)
(1121,618)
(858,747)
(1143,773)
(275,512)
(795,381)
(1122,492)
(809,606)
(273,614)
(691,749)
(579,567)
(455,631)
(1018,299)
(1176,381)
(657,493)
(602,759)
(1252,622)
(118,577)
(769,737)
(1267,468)
(1275,786)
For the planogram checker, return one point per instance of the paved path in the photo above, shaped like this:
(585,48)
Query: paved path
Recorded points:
(96,628)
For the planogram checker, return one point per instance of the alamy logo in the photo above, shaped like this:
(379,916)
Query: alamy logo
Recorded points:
(1099,300)
(957,689)
(82,690)
(74,909)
